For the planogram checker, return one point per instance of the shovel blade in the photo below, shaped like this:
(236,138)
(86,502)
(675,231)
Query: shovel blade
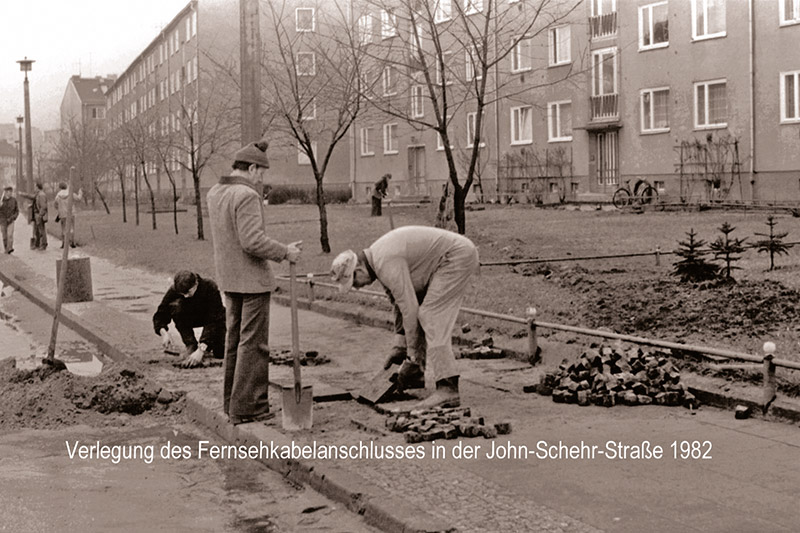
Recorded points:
(297,415)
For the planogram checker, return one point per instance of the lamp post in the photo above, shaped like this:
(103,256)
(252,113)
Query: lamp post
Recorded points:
(19,155)
(25,66)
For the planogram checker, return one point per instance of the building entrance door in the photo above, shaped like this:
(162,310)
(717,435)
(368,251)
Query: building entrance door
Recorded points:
(607,158)
(417,182)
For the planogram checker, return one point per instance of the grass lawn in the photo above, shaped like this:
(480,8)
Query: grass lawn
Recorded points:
(599,293)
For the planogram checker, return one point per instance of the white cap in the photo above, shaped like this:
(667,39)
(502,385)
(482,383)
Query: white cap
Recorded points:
(342,269)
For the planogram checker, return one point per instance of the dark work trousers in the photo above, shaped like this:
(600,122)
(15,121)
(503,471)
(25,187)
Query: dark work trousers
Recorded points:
(376,206)
(7,229)
(185,321)
(246,387)
(39,239)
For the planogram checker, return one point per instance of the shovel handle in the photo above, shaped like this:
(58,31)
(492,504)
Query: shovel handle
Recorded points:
(295,332)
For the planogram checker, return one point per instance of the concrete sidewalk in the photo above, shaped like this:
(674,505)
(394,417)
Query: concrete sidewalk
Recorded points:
(751,482)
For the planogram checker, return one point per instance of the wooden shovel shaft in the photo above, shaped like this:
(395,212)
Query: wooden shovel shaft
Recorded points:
(298,388)
(62,277)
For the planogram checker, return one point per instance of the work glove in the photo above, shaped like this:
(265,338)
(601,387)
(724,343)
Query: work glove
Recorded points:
(396,357)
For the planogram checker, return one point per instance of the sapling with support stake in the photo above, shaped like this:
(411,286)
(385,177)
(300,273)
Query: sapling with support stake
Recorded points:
(773,243)
(728,249)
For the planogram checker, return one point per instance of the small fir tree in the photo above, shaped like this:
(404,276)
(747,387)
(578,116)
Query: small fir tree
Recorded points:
(773,243)
(693,267)
(727,248)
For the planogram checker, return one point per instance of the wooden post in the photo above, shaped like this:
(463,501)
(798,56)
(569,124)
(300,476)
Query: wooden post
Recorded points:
(769,375)
(310,277)
(658,255)
(533,343)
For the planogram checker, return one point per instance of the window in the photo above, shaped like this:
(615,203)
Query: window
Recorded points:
(472,69)
(176,37)
(98,112)
(560,53)
(194,23)
(790,11)
(790,96)
(188,27)
(473,6)
(559,121)
(302,157)
(366,148)
(710,104)
(365,29)
(443,10)
(655,110)
(306,64)
(388,24)
(389,88)
(304,19)
(189,71)
(521,126)
(471,124)
(521,55)
(653,26)
(708,19)
(604,72)
(194,68)
(446,59)
(603,7)
(390,139)
(417,102)
(309,111)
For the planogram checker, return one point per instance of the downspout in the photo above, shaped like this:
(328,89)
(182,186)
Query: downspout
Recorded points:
(496,114)
(752,32)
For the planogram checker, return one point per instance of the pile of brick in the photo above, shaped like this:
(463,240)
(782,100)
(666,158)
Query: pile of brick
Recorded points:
(608,376)
(285,357)
(482,349)
(438,424)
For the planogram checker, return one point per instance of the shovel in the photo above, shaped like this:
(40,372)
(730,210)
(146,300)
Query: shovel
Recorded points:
(297,400)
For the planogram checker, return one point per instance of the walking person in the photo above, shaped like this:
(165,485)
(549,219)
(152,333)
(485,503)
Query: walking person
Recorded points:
(60,203)
(9,211)
(427,270)
(379,193)
(39,218)
(242,252)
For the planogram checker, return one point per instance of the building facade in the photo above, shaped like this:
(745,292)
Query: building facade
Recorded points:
(84,103)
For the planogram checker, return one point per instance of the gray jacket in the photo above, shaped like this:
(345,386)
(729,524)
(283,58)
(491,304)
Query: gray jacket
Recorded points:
(242,250)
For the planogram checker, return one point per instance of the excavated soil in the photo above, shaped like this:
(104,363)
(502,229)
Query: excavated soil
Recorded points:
(48,398)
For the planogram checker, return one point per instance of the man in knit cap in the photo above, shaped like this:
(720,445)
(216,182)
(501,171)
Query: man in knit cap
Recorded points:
(427,271)
(242,251)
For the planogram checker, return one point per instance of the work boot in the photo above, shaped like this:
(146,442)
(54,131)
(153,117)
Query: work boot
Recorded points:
(410,376)
(445,395)
(396,357)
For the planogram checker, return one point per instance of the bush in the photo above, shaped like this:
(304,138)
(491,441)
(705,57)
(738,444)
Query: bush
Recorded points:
(293,194)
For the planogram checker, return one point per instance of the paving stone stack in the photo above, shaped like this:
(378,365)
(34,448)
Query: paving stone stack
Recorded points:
(608,376)
(438,424)
(311,358)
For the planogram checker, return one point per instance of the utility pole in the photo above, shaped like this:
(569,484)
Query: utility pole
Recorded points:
(250,61)
(20,179)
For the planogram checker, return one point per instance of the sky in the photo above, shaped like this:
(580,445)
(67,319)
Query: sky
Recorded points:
(66,38)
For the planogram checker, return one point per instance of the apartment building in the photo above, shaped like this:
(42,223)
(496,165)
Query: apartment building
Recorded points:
(698,97)
(84,103)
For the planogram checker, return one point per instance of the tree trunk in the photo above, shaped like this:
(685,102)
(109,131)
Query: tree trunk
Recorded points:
(136,192)
(198,202)
(102,199)
(122,190)
(459,215)
(323,218)
(174,206)
(152,196)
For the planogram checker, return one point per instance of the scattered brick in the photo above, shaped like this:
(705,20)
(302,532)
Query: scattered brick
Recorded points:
(437,424)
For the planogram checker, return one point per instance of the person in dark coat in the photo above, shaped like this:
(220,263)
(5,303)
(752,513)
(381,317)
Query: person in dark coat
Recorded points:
(9,211)
(192,302)
(379,193)
(39,211)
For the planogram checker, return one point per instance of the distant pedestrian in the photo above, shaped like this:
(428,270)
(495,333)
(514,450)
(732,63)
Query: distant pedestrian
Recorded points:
(379,193)
(192,302)
(39,219)
(242,251)
(427,270)
(9,211)
(60,203)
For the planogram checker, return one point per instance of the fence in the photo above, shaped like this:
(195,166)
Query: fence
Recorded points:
(767,361)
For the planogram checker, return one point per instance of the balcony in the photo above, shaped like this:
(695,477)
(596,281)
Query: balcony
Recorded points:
(605,107)
(603,25)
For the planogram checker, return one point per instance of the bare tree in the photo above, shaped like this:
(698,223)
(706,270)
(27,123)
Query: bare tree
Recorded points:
(435,59)
(139,136)
(119,159)
(313,85)
(84,148)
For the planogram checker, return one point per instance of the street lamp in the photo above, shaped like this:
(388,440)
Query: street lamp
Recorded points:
(25,66)
(19,155)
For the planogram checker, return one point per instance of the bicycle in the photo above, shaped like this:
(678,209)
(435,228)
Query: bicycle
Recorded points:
(643,194)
